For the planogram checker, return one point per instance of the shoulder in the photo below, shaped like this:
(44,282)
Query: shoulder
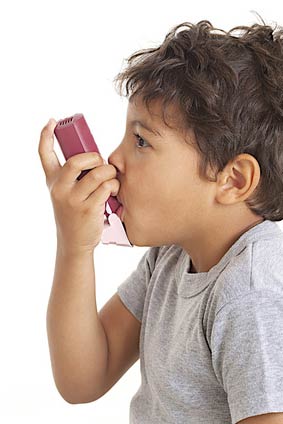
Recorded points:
(258,267)
(267,265)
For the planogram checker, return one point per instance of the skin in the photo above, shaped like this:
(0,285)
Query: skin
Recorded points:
(165,200)
(273,418)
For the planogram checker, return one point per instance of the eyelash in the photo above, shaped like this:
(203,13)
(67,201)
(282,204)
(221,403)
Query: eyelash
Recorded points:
(138,137)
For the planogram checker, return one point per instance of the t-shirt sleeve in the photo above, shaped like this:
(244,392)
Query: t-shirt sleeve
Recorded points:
(132,291)
(247,353)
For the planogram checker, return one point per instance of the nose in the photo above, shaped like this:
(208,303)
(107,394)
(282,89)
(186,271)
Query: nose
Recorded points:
(116,160)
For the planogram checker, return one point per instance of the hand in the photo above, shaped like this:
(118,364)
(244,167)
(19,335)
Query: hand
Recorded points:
(78,205)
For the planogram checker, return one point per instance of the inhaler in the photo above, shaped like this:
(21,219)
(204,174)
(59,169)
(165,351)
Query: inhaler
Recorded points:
(74,136)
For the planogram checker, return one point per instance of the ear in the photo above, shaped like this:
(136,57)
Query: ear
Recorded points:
(238,180)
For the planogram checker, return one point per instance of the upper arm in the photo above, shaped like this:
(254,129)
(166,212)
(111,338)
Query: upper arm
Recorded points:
(274,418)
(122,331)
(247,346)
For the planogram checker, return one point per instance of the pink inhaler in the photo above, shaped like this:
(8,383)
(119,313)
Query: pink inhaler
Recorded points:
(74,136)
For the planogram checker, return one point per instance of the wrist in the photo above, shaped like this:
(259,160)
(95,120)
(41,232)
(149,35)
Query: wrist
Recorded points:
(73,251)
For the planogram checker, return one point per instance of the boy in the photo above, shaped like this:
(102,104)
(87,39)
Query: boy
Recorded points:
(200,175)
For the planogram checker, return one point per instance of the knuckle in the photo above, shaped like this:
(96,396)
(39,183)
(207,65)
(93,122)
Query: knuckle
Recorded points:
(107,185)
(93,156)
(94,175)
(96,155)
(72,163)
(43,131)
(55,192)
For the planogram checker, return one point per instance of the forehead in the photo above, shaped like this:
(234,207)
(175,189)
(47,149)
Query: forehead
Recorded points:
(155,115)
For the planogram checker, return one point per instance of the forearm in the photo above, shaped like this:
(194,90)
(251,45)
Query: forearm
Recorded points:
(77,341)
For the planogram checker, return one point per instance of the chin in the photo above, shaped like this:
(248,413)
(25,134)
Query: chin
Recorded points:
(142,236)
(143,241)
(138,239)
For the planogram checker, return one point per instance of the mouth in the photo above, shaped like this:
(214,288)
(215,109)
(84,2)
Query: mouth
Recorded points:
(119,200)
(119,212)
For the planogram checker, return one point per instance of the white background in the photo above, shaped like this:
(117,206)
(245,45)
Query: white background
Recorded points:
(59,58)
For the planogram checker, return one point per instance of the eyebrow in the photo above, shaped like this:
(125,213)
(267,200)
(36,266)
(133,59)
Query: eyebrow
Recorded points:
(142,124)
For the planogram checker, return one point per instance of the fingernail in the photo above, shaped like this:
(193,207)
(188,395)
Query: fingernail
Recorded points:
(50,121)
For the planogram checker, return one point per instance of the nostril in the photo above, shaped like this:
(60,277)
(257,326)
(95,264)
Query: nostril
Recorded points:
(117,170)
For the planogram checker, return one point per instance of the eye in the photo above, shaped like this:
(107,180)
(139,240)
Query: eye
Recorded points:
(141,141)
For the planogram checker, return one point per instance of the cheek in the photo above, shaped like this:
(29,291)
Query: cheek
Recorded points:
(173,186)
(157,185)
(141,184)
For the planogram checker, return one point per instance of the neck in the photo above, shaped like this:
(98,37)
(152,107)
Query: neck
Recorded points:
(208,247)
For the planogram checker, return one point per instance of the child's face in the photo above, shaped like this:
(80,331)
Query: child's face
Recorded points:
(163,197)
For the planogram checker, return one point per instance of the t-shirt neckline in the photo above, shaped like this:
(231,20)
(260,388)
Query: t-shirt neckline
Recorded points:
(191,284)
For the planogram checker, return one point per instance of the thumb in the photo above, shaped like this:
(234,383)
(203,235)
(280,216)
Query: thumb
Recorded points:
(48,157)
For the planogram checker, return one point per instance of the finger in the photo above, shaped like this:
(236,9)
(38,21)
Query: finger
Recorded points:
(48,157)
(92,180)
(78,163)
(103,192)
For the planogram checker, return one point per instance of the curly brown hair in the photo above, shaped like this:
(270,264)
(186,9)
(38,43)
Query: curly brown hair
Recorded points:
(229,90)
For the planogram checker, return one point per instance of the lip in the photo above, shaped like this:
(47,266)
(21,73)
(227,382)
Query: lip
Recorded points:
(119,212)
(119,200)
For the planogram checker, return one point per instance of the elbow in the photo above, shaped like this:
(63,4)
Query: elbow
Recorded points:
(75,401)
(76,397)
(77,390)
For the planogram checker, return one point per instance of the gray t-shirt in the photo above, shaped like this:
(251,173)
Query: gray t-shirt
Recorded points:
(211,343)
